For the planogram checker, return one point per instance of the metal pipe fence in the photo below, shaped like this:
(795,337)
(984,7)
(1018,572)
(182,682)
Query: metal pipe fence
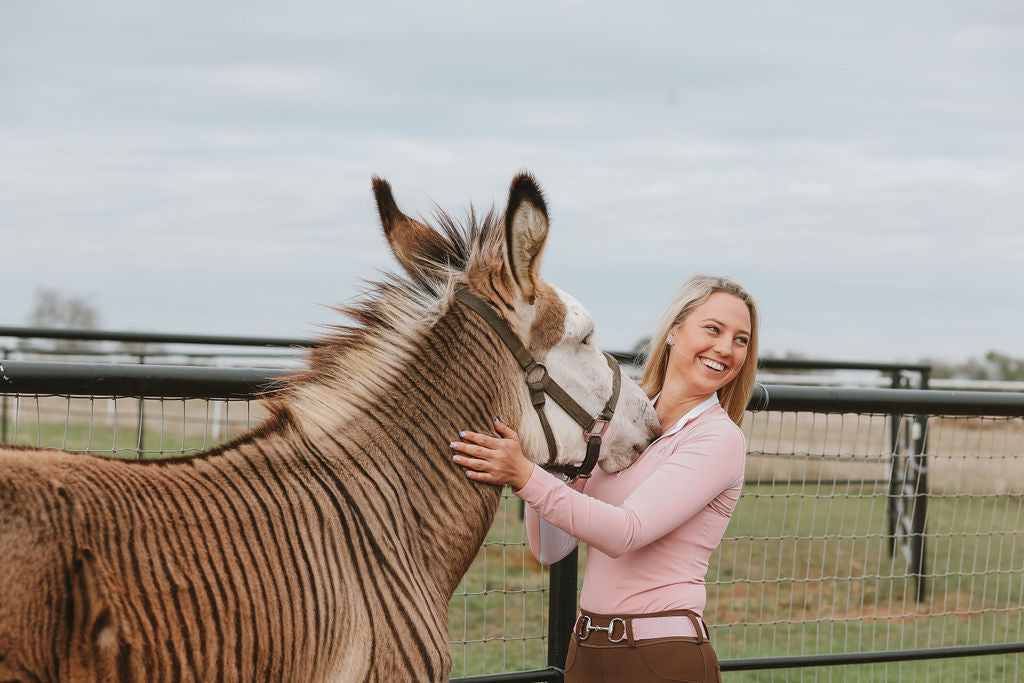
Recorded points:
(879,534)
(808,578)
(151,337)
(273,346)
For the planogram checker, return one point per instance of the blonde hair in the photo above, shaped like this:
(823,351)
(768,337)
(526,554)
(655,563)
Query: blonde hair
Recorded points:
(735,395)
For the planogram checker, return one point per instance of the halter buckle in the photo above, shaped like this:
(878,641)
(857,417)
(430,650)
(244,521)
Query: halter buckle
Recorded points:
(536,375)
(598,428)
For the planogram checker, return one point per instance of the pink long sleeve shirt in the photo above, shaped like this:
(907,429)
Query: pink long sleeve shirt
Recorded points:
(652,527)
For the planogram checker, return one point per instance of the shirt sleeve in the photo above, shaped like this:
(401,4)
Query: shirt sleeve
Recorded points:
(702,466)
(548,543)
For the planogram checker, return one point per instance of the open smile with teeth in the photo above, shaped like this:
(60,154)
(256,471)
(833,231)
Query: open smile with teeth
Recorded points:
(714,365)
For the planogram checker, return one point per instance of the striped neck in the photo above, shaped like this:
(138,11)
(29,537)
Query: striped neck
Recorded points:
(392,457)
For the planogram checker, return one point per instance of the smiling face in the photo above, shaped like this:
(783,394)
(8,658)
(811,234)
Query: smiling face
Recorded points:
(709,347)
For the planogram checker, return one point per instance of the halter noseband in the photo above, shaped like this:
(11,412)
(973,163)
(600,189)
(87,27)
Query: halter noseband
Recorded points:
(540,383)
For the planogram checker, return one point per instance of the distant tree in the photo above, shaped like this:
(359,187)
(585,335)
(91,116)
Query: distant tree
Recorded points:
(1003,367)
(995,366)
(142,348)
(972,368)
(788,355)
(940,369)
(52,309)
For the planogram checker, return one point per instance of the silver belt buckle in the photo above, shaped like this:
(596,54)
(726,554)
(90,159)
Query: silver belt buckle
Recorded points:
(586,626)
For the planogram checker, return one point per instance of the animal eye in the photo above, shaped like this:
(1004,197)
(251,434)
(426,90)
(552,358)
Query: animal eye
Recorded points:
(589,336)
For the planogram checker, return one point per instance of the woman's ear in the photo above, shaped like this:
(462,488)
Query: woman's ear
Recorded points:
(669,340)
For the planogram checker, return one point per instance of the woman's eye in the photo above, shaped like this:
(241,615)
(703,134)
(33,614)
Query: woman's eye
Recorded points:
(742,341)
(713,329)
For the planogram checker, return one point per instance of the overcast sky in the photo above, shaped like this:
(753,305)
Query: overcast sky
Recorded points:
(204,167)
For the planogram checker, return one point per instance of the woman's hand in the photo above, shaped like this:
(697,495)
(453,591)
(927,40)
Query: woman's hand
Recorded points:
(493,460)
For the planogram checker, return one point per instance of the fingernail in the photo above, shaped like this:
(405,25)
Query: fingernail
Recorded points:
(453,445)
(462,434)
(496,419)
(467,473)
(455,458)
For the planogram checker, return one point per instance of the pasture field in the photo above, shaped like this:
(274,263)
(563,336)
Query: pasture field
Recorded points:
(804,568)
(966,455)
(835,595)
(111,427)
(497,619)
(784,582)
(808,593)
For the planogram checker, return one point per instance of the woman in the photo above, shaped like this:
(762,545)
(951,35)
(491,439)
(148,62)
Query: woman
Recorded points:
(652,527)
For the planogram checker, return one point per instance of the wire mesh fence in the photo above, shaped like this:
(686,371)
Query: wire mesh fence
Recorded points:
(813,563)
(125,427)
(498,615)
(810,565)
(497,619)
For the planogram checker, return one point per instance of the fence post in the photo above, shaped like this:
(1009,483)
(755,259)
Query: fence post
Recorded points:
(140,445)
(894,476)
(908,467)
(891,502)
(919,462)
(562,608)
(3,418)
(917,465)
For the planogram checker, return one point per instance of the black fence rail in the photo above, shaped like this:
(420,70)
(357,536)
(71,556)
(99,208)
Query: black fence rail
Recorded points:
(21,376)
(915,430)
(150,337)
(108,379)
(897,371)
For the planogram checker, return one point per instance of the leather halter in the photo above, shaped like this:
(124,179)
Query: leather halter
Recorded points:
(540,383)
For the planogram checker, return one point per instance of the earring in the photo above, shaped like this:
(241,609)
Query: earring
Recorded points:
(669,341)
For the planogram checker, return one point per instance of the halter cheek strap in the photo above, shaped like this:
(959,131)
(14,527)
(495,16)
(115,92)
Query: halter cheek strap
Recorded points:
(541,384)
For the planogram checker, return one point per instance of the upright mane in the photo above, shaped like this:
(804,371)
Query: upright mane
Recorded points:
(353,361)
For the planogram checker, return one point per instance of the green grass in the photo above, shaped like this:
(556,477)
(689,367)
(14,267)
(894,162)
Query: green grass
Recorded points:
(841,592)
(493,628)
(103,439)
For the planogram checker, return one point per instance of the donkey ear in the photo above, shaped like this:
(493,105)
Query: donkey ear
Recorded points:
(526,231)
(413,243)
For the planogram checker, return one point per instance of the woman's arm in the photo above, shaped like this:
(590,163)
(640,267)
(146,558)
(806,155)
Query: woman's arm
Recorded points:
(680,487)
(709,462)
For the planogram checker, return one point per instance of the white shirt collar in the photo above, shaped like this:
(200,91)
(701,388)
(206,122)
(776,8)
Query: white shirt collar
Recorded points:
(691,414)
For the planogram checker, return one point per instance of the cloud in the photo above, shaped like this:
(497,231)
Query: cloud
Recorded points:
(198,167)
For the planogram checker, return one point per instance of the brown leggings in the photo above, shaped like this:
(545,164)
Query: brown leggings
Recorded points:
(597,659)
